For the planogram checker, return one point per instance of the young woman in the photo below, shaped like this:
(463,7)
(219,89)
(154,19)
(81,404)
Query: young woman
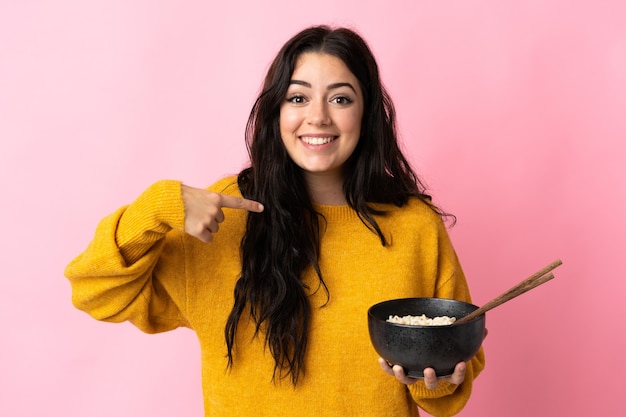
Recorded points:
(275,268)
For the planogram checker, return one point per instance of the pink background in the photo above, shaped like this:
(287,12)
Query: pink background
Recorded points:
(513,111)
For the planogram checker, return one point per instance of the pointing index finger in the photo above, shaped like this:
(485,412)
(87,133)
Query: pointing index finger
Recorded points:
(241,203)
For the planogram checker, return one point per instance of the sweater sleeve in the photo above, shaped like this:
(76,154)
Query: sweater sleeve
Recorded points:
(113,279)
(449,399)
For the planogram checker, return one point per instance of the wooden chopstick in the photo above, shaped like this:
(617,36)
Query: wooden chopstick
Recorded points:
(528,284)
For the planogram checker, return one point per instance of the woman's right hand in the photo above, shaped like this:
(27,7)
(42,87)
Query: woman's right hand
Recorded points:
(203,210)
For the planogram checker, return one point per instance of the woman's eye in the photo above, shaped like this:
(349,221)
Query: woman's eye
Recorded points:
(296,99)
(342,100)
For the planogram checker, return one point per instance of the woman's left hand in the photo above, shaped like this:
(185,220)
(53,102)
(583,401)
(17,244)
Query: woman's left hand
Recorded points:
(430,377)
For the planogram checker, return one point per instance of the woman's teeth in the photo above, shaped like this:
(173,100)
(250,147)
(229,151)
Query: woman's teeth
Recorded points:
(317,141)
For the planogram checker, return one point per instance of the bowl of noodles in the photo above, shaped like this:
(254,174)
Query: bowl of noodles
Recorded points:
(420,333)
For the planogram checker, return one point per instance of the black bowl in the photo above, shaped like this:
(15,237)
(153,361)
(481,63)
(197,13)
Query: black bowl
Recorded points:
(416,348)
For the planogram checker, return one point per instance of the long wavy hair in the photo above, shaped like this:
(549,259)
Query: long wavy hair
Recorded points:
(284,241)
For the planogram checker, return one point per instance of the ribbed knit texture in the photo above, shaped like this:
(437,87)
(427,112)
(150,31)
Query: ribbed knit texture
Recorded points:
(142,267)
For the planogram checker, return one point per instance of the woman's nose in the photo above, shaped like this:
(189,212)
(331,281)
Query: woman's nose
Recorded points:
(318,113)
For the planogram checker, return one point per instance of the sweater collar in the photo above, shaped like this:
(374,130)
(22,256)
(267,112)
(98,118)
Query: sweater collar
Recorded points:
(336,213)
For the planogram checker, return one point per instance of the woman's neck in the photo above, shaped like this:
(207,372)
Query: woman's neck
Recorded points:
(326,188)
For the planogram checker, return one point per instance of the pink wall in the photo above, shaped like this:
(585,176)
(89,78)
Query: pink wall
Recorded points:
(513,111)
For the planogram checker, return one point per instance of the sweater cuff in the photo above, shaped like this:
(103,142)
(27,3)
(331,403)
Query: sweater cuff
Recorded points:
(166,199)
(155,212)
(420,391)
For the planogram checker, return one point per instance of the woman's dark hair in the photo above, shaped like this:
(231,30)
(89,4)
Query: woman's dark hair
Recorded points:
(284,241)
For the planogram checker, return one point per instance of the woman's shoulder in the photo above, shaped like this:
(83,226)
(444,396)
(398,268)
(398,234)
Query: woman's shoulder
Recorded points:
(227,185)
(415,212)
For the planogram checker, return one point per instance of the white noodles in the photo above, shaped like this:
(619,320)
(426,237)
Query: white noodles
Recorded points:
(422,320)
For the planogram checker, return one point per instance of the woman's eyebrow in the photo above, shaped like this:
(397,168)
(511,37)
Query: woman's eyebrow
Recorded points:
(330,86)
(338,85)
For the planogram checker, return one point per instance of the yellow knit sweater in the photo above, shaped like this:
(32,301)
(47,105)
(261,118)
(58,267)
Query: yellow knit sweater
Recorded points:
(143,268)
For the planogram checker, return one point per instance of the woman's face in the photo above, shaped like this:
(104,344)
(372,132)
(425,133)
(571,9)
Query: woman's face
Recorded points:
(320,118)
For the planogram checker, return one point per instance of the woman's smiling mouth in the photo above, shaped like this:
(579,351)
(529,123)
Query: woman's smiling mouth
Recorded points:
(317,140)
